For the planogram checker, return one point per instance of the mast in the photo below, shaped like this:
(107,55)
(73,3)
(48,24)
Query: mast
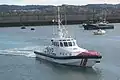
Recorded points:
(59,18)
(65,15)
(105,14)
(61,30)
(60,34)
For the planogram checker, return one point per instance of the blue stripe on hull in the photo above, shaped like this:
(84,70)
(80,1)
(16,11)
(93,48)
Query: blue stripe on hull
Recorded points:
(68,57)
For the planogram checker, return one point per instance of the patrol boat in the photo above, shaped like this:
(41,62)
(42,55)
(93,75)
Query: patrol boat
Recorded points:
(64,50)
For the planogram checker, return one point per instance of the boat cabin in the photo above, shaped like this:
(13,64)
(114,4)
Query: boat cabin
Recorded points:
(63,42)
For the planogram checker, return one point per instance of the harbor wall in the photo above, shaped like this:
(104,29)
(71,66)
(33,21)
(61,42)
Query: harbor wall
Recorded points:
(37,20)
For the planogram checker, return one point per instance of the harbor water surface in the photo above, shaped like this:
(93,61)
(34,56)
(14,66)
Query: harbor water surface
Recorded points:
(18,62)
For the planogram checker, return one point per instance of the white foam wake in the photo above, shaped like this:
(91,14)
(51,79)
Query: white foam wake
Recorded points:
(26,51)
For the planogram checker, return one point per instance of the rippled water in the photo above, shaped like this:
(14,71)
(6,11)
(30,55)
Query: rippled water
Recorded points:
(18,62)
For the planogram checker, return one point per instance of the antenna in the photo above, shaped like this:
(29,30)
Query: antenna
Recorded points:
(61,30)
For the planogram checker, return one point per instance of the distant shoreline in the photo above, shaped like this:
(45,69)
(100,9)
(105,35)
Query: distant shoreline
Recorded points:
(40,23)
(36,15)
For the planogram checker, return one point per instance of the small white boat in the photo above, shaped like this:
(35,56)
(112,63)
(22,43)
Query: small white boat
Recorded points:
(99,32)
(64,50)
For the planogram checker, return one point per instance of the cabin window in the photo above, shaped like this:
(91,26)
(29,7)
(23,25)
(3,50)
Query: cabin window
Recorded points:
(65,44)
(54,54)
(61,44)
(70,43)
(68,39)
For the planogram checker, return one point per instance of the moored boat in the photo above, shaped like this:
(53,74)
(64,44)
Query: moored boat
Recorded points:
(23,27)
(99,32)
(32,28)
(99,25)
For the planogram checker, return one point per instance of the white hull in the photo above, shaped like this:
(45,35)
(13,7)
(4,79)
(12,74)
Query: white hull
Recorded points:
(73,62)
(100,32)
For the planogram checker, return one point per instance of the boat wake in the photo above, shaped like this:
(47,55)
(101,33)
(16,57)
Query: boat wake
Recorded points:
(26,51)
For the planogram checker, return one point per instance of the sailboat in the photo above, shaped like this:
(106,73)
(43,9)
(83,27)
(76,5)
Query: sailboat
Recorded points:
(65,51)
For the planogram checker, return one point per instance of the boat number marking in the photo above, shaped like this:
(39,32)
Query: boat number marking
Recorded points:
(50,51)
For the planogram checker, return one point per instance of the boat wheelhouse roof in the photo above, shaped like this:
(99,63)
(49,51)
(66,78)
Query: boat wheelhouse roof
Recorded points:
(62,39)
(63,42)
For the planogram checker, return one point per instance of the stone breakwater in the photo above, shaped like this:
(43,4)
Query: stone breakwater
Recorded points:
(36,20)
